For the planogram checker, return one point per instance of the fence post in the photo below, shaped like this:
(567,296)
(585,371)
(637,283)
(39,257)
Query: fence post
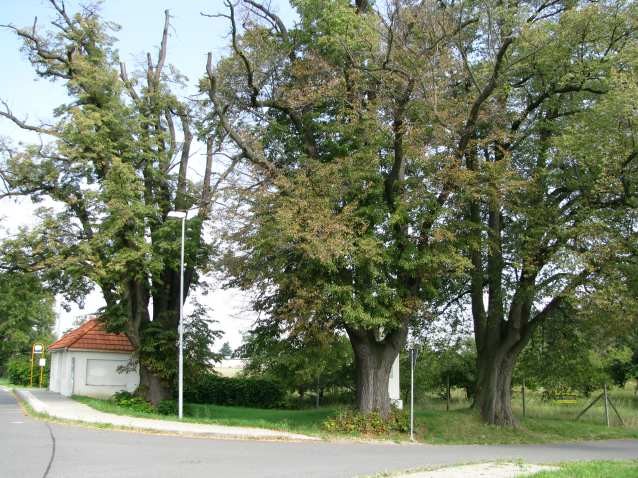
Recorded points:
(523,393)
(447,404)
(606,405)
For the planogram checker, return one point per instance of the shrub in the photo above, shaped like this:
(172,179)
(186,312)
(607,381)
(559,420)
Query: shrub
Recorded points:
(244,392)
(19,371)
(167,407)
(352,421)
(133,402)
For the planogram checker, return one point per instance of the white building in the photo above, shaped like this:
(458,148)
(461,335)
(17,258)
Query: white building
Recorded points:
(88,361)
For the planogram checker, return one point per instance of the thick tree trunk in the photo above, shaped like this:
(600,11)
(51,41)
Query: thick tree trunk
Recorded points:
(152,387)
(494,388)
(373,363)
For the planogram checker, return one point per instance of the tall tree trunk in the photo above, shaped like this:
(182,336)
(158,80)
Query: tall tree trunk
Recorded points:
(373,363)
(494,388)
(152,387)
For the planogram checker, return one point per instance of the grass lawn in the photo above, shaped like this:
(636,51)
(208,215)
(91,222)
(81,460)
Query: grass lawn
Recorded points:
(4,381)
(465,426)
(432,425)
(593,469)
(306,421)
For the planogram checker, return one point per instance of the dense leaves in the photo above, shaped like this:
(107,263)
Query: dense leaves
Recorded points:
(26,315)
(242,392)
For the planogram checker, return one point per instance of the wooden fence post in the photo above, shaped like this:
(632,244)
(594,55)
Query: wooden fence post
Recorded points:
(606,405)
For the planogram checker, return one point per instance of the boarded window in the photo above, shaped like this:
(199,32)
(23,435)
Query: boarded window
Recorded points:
(104,372)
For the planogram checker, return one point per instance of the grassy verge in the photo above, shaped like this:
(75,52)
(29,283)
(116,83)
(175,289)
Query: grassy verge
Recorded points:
(465,426)
(4,381)
(432,426)
(593,469)
(296,421)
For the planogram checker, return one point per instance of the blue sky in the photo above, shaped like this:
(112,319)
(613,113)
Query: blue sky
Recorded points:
(192,36)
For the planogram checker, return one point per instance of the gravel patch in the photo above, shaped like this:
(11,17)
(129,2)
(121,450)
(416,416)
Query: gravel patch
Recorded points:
(482,470)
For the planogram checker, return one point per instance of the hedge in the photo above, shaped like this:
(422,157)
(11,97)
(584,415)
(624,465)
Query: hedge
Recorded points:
(243,392)
(19,370)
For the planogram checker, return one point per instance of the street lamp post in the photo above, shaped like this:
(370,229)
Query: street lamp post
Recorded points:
(180,394)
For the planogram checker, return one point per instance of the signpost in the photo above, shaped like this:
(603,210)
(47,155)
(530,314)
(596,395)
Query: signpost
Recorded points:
(42,362)
(37,349)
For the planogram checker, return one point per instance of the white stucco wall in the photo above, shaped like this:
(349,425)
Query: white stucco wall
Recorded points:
(93,374)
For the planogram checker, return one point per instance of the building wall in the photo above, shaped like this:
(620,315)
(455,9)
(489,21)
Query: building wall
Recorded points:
(93,374)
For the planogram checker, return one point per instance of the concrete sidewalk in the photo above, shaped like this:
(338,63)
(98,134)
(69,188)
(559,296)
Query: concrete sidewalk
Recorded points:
(57,406)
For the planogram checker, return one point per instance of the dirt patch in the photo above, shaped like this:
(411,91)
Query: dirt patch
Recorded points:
(482,470)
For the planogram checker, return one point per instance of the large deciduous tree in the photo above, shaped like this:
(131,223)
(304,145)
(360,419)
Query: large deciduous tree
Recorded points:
(114,162)
(550,194)
(342,118)
(389,140)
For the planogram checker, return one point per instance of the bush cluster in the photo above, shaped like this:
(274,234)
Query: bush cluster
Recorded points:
(167,407)
(19,370)
(133,402)
(243,392)
(351,421)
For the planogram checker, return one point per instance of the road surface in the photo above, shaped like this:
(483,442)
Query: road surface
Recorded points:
(36,448)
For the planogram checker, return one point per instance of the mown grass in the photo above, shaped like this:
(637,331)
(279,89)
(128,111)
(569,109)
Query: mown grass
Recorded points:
(307,421)
(545,421)
(4,381)
(593,469)
(465,426)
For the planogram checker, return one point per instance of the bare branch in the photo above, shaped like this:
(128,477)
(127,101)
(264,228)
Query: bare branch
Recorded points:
(23,125)
(162,52)
(220,110)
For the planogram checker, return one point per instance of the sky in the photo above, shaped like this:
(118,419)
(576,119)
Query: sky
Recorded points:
(192,36)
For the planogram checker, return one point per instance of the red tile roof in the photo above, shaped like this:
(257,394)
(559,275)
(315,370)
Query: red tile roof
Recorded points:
(92,336)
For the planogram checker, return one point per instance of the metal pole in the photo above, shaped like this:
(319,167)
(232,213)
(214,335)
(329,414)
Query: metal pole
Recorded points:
(447,403)
(180,405)
(412,394)
(31,373)
(606,405)
(523,392)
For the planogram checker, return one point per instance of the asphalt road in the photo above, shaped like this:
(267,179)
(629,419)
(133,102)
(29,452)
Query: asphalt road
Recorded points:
(35,448)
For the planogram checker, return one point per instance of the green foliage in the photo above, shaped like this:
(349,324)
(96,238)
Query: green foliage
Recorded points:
(301,362)
(159,344)
(353,422)
(18,371)
(576,352)
(167,407)
(133,402)
(243,392)
(26,314)
(436,365)
(225,351)
(112,165)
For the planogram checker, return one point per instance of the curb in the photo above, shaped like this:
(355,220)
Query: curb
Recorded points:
(161,427)
(37,405)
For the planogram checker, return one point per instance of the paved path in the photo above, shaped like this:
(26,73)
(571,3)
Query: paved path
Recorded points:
(58,406)
(27,447)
